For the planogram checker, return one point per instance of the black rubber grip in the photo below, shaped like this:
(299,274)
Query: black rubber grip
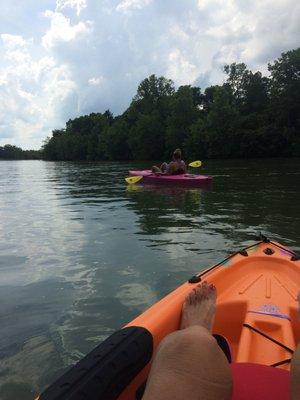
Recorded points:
(106,371)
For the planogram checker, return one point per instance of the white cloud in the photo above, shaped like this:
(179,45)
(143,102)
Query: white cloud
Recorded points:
(79,5)
(254,33)
(33,94)
(86,56)
(61,30)
(128,5)
(12,41)
(95,81)
(180,69)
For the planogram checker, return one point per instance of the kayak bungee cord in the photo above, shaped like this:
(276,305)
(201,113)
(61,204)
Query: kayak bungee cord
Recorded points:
(274,341)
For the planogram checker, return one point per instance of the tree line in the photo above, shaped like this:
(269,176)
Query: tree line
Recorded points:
(10,152)
(249,115)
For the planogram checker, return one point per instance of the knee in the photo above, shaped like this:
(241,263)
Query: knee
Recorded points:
(191,340)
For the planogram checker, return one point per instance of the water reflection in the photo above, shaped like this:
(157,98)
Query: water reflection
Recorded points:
(161,208)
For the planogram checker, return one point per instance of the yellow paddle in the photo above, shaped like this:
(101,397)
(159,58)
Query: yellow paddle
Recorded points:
(195,164)
(133,179)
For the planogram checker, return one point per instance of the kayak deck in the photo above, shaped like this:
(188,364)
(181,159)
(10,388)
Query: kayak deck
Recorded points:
(256,311)
(256,289)
(182,179)
(259,298)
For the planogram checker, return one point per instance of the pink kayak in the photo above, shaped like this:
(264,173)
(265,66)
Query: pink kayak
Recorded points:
(182,179)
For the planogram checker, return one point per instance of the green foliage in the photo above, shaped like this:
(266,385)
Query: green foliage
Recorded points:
(113,142)
(285,90)
(183,113)
(248,116)
(154,89)
(9,152)
(146,140)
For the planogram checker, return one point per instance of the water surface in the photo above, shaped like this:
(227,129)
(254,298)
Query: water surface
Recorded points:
(81,254)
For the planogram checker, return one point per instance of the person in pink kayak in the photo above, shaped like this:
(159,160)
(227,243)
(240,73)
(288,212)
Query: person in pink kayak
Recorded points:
(176,167)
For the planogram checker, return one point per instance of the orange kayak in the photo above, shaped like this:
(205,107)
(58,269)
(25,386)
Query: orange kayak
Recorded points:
(256,312)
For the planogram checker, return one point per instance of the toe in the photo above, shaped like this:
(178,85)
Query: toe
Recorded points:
(190,298)
(205,290)
(199,293)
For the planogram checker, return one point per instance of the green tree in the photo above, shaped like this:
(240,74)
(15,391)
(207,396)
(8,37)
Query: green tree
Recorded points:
(221,125)
(285,88)
(236,77)
(183,112)
(249,115)
(256,93)
(154,88)
(113,142)
(146,137)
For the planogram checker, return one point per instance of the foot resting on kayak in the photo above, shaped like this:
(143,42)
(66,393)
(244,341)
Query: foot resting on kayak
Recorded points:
(199,307)
(188,363)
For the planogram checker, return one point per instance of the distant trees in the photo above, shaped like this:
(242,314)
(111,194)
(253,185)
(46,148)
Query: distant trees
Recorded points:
(248,116)
(9,152)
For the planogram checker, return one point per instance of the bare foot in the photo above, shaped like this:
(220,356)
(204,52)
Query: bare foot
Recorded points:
(199,307)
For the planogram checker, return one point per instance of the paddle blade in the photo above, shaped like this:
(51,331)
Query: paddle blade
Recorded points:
(195,164)
(133,179)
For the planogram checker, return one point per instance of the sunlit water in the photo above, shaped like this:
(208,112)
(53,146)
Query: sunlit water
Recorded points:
(81,254)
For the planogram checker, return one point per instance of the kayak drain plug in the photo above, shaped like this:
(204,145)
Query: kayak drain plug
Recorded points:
(194,279)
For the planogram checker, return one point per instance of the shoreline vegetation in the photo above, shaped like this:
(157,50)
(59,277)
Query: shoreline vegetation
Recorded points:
(248,116)
(10,152)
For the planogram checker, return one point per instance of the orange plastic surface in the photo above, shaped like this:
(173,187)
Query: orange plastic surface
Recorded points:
(259,290)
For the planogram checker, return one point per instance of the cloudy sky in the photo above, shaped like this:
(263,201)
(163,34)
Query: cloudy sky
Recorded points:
(64,58)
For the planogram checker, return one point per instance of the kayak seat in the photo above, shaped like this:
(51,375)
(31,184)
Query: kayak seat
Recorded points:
(257,382)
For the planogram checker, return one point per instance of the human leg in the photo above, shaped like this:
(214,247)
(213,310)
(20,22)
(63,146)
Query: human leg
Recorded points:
(164,167)
(156,169)
(189,364)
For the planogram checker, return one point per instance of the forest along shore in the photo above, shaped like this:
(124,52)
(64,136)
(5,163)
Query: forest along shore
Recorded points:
(250,115)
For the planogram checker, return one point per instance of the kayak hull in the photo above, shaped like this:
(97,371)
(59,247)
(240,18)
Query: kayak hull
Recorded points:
(256,312)
(181,180)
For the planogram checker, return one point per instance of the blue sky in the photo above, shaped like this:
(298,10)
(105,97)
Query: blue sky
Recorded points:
(64,58)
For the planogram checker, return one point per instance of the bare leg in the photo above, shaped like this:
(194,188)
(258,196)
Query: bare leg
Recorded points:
(164,167)
(156,169)
(295,370)
(189,364)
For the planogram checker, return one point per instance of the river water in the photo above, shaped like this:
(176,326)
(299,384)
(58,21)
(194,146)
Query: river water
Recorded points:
(81,254)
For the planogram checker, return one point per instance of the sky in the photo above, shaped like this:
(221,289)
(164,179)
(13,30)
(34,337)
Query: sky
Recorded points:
(65,58)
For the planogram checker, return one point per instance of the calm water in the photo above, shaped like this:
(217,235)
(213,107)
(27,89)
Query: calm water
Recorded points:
(81,254)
